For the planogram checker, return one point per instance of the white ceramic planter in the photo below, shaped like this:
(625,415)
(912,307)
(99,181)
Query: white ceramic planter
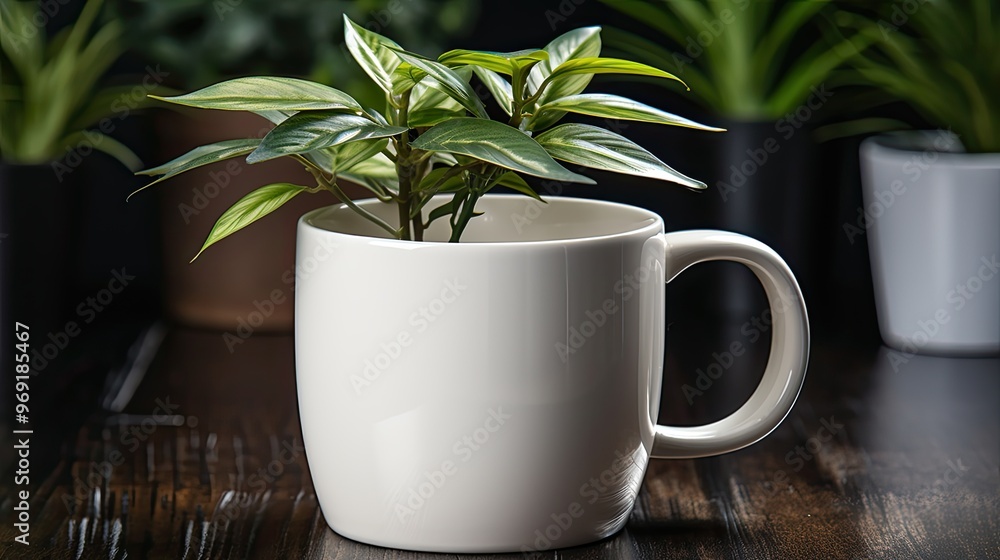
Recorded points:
(933,223)
(501,394)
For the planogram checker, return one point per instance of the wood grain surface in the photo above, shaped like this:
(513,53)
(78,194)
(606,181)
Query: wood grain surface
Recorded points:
(880,458)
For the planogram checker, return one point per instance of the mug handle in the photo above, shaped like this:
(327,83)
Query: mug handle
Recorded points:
(789,354)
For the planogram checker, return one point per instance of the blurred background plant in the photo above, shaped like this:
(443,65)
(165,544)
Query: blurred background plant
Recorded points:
(937,59)
(744,60)
(49,86)
(940,58)
(65,95)
(206,41)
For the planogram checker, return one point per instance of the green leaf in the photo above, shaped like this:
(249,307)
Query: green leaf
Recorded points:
(496,143)
(654,54)
(659,17)
(597,148)
(377,117)
(450,81)
(275,116)
(104,143)
(314,130)
(20,39)
(778,39)
(81,27)
(504,63)
(447,159)
(372,53)
(405,77)
(426,118)
(424,96)
(377,167)
(346,156)
(263,93)
(813,67)
(515,182)
(249,209)
(584,42)
(100,52)
(612,107)
(433,181)
(445,209)
(500,88)
(430,105)
(202,155)
(578,43)
(322,158)
(600,65)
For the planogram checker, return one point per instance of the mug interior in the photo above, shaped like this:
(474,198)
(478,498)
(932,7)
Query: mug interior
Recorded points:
(507,219)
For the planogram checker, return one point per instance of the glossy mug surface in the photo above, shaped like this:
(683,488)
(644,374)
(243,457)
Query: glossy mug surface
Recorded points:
(501,394)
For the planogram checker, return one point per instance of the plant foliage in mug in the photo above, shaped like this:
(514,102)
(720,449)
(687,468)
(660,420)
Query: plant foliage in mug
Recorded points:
(434,135)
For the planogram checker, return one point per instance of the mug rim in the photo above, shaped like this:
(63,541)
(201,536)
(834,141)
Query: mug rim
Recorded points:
(650,222)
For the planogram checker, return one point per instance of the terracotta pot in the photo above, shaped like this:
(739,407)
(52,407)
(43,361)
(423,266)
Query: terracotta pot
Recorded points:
(245,282)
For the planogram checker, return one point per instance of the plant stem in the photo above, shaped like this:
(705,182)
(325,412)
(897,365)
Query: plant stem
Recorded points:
(468,207)
(475,183)
(404,169)
(378,190)
(518,81)
(419,169)
(335,189)
(418,227)
(324,182)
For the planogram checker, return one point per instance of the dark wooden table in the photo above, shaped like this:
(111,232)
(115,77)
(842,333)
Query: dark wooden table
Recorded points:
(205,463)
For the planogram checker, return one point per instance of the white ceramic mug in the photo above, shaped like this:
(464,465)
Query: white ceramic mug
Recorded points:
(501,394)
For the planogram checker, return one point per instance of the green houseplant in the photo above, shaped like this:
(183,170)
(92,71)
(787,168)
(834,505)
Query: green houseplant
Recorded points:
(931,196)
(434,135)
(763,70)
(936,60)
